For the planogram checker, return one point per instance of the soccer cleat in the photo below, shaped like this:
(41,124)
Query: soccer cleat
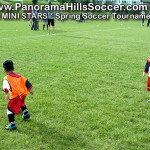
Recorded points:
(53,34)
(10,127)
(148,101)
(27,116)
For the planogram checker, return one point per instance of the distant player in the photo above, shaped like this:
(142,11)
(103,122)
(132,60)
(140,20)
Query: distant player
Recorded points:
(16,88)
(148,20)
(45,21)
(143,13)
(34,25)
(29,17)
(81,18)
(51,15)
(147,70)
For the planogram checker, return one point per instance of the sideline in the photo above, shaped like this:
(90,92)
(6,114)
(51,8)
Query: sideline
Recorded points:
(62,33)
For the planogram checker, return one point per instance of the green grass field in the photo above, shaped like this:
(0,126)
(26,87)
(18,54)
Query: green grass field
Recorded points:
(89,93)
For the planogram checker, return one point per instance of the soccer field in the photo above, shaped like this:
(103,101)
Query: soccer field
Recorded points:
(89,92)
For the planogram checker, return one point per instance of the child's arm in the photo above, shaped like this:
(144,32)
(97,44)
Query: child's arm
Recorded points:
(6,88)
(29,87)
(146,69)
(31,92)
(7,95)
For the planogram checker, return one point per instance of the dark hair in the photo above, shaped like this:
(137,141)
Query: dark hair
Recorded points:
(8,65)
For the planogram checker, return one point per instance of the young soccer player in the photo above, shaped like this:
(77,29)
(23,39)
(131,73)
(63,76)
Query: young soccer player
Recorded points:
(45,21)
(146,70)
(16,88)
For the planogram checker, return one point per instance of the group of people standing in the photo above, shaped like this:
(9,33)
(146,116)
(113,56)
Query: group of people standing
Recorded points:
(143,19)
(34,21)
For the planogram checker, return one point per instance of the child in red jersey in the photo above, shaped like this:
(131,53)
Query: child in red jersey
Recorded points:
(16,88)
(146,70)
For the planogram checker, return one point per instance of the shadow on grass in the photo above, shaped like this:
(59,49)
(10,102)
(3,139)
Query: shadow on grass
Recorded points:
(51,137)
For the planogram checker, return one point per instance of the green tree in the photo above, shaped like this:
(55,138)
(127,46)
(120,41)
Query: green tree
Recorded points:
(62,1)
(34,2)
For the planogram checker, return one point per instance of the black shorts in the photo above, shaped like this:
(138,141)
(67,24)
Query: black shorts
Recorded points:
(51,21)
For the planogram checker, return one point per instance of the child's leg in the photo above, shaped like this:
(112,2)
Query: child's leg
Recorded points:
(25,113)
(52,22)
(30,22)
(142,21)
(53,30)
(43,26)
(37,25)
(148,22)
(48,26)
(11,119)
(32,26)
(49,29)
(24,108)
